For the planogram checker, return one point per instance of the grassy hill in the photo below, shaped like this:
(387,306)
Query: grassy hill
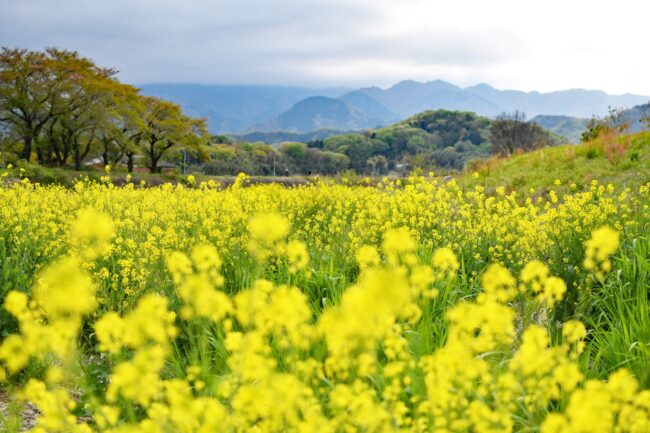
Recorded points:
(623,160)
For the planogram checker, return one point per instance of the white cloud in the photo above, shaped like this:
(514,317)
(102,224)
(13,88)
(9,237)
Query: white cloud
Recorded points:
(544,46)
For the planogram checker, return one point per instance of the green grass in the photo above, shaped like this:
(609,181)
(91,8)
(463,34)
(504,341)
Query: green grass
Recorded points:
(618,315)
(623,161)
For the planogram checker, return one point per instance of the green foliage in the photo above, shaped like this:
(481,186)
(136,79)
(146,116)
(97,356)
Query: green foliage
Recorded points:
(428,140)
(439,138)
(262,159)
(168,128)
(451,127)
(623,160)
(357,147)
(61,108)
(294,151)
(618,121)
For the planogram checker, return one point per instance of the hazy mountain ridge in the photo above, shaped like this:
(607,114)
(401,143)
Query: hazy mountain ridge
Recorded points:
(407,98)
(565,126)
(240,109)
(235,108)
(320,112)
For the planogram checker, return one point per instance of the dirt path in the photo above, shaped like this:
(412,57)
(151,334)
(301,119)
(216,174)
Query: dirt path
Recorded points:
(29,413)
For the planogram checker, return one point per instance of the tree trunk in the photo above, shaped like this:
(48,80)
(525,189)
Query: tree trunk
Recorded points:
(65,154)
(27,150)
(110,157)
(85,153)
(77,159)
(129,162)
(154,159)
(118,158)
(154,165)
(41,156)
(49,156)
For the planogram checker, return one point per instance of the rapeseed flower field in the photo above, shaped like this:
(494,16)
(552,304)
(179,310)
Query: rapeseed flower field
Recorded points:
(408,305)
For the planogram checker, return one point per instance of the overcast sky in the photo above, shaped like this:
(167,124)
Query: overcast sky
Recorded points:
(515,44)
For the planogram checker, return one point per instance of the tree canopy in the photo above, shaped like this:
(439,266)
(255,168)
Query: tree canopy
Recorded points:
(63,109)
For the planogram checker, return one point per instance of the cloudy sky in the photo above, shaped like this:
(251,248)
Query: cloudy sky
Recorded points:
(516,44)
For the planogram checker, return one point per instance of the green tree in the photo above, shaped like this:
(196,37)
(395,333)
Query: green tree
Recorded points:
(121,125)
(58,102)
(166,128)
(333,163)
(357,147)
(614,123)
(378,164)
(30,93)
(294,151)
(88,119)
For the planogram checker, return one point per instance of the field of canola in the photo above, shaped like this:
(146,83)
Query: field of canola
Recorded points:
(407,306)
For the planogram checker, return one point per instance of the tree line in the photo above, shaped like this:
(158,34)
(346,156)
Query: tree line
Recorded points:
(428,140)
(58,108)
(289,158)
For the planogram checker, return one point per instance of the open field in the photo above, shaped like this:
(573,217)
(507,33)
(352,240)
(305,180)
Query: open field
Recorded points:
(412,305)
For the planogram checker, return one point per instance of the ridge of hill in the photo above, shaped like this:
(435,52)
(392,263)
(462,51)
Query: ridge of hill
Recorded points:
(622,160)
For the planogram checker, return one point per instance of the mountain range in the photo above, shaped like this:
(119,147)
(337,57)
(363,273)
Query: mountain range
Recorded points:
(236,108)
(244,108)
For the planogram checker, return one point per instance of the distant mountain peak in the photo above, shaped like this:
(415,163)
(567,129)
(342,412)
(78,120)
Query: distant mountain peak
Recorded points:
(481,86)
(434,84)
(315,100)
(404,84)
(240,108)
(441,84)
(318,112)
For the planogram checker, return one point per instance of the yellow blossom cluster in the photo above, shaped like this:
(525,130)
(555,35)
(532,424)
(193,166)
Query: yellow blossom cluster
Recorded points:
(535,277)
(603,243)
(141,226)
(50,321)
(321,308)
